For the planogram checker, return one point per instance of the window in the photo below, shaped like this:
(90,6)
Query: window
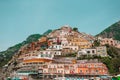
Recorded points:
(55,53)
(96,70)
(42,55)
(44,71)
(89,65)
(88,51)
(95,66)
(111,41)
(50,55)
(80,70)
(75,48)
(46,55)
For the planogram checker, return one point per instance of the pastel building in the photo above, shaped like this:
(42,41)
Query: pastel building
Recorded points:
(60,67)
(99,51)
(80,42)
(49,53)
(109,41)
(87,52)
(38,57)
(64,42)
(102,51)
(92,69)
(53,70)
(55,47)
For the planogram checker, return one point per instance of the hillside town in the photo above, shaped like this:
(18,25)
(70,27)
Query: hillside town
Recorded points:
(58,55)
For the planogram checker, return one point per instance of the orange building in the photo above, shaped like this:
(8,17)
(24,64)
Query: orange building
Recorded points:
(92,69)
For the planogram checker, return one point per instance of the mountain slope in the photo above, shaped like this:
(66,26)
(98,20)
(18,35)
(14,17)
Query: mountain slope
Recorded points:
(5,56)
(47,32)
(111,32)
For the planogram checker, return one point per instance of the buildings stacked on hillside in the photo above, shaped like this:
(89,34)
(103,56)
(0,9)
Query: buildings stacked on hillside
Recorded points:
(61,67)
(74,68)
(109,41)
(46,57)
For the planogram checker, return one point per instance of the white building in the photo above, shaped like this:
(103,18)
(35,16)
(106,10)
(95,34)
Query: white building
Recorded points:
(64,42)
(55,47)
(99,51)
(87,52)
(46,54)
(49,53)
(102,51)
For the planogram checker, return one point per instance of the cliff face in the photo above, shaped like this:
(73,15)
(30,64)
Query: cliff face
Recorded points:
(111,32)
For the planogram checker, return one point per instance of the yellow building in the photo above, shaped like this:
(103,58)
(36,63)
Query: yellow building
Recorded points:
(80,42)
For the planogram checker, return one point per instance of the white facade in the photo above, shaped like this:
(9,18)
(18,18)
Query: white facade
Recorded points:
(46,54)
(64,41)
(55,47)
(102,51)
(74,48)
(87,52)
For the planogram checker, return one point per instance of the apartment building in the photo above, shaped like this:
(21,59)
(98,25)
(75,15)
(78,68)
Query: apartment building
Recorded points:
(90,51)
(99,51)
(82,69)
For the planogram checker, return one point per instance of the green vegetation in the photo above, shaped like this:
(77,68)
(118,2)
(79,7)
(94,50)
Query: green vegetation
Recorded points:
(70,55)
(111,32)
(75,29)
(47,32)
(96,43)
(88,57)
(33,38)
(5,56)
(112,62)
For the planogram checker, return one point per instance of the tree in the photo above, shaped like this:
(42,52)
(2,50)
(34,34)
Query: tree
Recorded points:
(96,43)
(75,29)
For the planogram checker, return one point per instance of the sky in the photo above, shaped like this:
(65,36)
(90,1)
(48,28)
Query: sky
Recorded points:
(21,18)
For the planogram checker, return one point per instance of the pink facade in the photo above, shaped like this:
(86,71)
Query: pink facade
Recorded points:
(81,69)
(109,41)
